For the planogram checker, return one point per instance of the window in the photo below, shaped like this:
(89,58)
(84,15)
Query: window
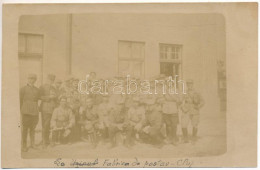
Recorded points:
(30,44)
(131,58)
(170,59)
(170,51)
(30,51)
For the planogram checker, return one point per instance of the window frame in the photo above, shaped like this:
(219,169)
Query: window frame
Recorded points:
(30,54)
(178,61)
(34,56)
(132,59)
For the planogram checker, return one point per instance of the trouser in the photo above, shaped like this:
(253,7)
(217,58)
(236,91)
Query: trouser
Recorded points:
(29,123)
(76,132)
(171,121)
(102,134)
(90,131)
(113,131)
(187,118)
(46,121)
(153,137)
(58,136)
(129,132)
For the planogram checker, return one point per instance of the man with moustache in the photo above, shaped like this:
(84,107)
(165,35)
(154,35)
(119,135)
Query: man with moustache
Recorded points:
(48,104)
(192,103)
(29,96)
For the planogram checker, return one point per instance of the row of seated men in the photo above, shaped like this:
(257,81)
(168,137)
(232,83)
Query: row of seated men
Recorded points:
(112,119)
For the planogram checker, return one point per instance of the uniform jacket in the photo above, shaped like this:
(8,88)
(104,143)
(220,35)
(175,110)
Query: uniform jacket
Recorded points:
(91,114)
(117,116)
(58,92)
(136,115)
(154,120)
(29,96)
(103,114)
(48,104)
(62,118)
(192,102)
(170,105)
(90,118)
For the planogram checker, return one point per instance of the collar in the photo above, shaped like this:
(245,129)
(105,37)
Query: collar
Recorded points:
(30,85)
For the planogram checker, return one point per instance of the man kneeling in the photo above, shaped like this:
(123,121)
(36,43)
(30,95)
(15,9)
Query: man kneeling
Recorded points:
(61,123)
(118,126)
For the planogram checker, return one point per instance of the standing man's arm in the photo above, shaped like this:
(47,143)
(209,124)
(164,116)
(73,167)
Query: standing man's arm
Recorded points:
(38,97)
(43,97)
(54,118)
(202,102)
(71,119)
(21,96)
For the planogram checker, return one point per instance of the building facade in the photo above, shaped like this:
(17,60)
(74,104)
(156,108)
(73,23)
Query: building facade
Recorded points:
(142,45)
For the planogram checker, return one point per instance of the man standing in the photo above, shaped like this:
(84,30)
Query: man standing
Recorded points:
(191,105)
(57,87)
(136,117)
(48,104)
(170,117)
(103,118)
(75,107)
(29,96)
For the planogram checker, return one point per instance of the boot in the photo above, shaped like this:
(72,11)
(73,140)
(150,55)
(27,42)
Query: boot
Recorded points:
(24,140)
(185,135)
(194,134)
(93,140)
(24,147)
(33,144)
(32,139)
(175,137)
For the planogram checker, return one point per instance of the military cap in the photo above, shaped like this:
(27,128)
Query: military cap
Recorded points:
(160,100)
(58,81)
(62,97)
(68,78)
(32,76)
(149,101)
(89,100)
(136,99)
(119,78)
(105,95)
(120,101)
(51,77)
(189,81)
(75,79)
(161,77)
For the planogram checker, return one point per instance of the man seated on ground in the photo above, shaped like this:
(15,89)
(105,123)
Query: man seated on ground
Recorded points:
(74,104)
(118,125)
(151,131)
(136,117)
(62,122)
(89,121)
(103,118)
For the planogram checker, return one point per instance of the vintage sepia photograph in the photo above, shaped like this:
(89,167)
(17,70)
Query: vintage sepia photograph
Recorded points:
(57,52)
(129,85)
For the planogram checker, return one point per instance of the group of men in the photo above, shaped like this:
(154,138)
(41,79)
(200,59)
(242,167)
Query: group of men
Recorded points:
(115,119)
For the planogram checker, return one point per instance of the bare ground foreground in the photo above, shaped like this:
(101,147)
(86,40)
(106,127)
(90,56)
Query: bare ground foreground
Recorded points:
(211,142)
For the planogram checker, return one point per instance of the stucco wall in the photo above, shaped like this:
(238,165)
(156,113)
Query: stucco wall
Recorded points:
(95,43)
